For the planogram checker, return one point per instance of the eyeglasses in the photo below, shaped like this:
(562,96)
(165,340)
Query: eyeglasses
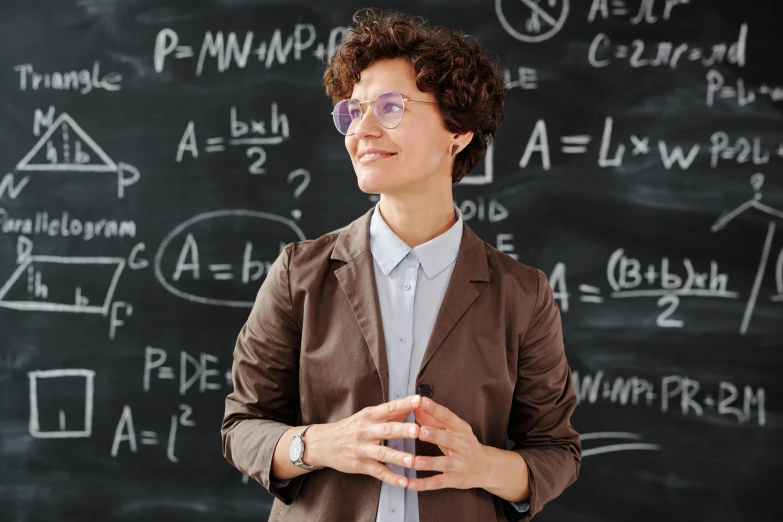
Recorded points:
(348,113)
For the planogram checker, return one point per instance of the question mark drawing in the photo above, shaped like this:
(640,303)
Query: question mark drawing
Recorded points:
(296,213)
(757,181)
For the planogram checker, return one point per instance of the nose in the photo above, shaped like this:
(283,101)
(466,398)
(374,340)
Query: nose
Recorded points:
(368,124)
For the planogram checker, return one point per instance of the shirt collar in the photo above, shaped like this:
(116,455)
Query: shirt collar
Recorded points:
(435,255)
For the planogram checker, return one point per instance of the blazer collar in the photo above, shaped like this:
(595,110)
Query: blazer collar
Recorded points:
(357,280)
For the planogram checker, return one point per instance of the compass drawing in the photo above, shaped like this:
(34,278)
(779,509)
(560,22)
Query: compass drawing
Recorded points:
(532,20)
(757,181)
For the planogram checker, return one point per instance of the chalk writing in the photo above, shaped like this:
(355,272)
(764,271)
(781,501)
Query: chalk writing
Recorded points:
(675,393)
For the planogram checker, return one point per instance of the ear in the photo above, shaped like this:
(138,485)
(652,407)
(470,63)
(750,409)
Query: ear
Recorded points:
(460,141)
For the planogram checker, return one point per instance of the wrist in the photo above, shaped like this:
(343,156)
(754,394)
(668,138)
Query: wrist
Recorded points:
(507,475)
(490,479)
(314,453)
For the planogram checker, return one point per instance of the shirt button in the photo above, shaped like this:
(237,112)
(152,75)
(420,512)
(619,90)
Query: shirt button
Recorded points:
(401,339)
(407,286)
(410,255)
(393,511)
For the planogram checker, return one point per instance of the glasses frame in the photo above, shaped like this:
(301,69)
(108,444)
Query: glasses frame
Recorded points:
(362,102)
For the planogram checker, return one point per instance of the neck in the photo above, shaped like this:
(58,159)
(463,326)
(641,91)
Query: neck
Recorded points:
(418,220)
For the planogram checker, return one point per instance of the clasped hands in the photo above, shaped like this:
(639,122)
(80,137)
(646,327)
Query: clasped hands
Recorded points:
(465,461)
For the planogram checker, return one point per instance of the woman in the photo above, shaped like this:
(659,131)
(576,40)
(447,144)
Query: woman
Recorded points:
(403,335)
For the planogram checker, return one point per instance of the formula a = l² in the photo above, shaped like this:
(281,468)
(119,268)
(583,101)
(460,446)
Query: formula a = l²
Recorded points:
(66,147)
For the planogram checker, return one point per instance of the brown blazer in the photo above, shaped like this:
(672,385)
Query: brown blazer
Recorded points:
(312,351)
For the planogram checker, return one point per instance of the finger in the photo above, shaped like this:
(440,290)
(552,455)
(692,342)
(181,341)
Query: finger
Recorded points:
(384,474)
(439,481)
(394,409)
(395,430)
(386,455)
(434,463)
(443,438)
(401,417)
(425,419)
(444,415)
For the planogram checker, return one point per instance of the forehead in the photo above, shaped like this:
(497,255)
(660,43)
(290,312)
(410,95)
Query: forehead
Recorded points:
(386,75)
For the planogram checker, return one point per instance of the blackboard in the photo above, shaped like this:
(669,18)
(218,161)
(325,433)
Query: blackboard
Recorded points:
(156,156)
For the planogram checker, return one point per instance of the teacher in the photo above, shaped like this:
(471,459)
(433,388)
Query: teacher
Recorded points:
(384,364)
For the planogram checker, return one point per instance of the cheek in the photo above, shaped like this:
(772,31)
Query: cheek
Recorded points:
(422,149)
(350,147)
(426,141)
(413,144)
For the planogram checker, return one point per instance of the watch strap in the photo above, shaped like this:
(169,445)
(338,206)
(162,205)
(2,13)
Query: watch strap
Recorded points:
(300,463)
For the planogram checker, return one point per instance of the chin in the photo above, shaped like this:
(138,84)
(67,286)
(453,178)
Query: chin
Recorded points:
(373,182)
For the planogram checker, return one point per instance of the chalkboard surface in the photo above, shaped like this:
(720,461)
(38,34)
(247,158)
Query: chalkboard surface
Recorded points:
(156,156)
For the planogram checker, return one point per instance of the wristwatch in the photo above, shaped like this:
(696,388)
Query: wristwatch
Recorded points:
(297,448)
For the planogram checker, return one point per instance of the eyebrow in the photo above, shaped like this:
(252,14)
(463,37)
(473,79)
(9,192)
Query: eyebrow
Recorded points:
(404,95)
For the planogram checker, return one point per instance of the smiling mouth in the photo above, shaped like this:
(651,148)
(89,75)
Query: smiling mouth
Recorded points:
(370,158)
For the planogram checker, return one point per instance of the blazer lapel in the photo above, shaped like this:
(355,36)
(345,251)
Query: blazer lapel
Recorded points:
(461,291)
(357,279)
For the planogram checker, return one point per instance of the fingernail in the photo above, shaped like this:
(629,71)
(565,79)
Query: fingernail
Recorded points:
(427,403)
(425,432)
(401,482)
(407,461)
(415,399)
(412,430)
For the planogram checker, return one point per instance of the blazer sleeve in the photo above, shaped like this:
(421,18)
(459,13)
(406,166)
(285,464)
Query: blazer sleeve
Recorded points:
(265,400)
(544,399)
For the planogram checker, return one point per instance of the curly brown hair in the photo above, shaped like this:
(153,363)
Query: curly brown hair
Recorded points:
(466,79)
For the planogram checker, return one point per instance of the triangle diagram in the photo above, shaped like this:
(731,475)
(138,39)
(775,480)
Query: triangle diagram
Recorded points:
(66,147)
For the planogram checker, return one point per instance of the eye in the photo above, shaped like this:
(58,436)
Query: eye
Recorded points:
(391,108)
(345,120)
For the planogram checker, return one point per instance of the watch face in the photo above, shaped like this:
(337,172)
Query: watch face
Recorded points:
(296,448)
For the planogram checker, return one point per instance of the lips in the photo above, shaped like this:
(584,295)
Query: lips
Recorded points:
(375,156)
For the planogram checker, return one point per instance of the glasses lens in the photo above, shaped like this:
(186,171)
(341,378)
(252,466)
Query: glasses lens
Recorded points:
(389,108)
(346,113)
